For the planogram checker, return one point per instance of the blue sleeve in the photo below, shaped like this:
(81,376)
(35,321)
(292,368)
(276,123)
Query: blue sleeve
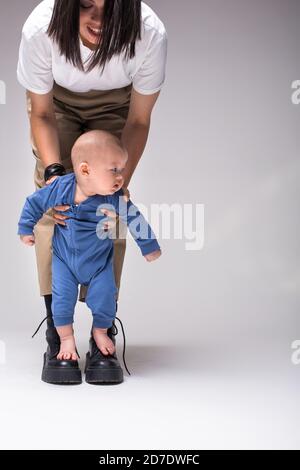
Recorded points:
(139,228)
(36,205)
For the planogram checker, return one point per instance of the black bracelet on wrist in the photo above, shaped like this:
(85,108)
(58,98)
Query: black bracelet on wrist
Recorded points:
(55,169)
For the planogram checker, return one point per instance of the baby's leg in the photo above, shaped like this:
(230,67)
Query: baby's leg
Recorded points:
(101,299)
(64,297)
(67,343)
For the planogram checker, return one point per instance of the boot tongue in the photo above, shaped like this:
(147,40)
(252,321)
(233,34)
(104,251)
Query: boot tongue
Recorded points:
(112,332)
(53,341)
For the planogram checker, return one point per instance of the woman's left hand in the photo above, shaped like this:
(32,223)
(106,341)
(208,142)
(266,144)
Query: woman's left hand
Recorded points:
(112,215)
(126,195)
(112,219)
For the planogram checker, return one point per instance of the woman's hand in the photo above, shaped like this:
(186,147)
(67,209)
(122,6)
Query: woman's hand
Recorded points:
(112,215)
(112,220)
(51,179)
(126,195)
(57,216)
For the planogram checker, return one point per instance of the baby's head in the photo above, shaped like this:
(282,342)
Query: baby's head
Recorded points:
(98,159)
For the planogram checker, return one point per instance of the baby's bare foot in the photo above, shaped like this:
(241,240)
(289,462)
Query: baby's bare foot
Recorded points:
(103,341)
(67,350)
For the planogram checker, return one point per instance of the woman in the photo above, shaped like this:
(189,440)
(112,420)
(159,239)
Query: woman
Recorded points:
(86,64)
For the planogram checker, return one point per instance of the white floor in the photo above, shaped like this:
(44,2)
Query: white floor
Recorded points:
(214,395)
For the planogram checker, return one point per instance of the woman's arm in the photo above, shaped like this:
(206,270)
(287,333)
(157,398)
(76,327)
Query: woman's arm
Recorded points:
(44,128)
(45,133)
(136,130)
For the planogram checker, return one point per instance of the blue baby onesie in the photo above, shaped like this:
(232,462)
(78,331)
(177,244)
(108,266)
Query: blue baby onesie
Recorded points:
(81,252)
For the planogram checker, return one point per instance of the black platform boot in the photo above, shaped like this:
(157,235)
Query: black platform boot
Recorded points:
(101,369)
(57,371)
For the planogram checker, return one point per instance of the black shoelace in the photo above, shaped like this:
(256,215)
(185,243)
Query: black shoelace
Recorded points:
(124,341)
(114,332)
(47,316)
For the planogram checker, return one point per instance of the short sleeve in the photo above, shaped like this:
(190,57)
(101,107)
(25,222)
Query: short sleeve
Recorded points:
(150,77)
(34,70)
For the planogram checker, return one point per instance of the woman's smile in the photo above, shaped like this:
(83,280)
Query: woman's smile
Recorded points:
(94,33)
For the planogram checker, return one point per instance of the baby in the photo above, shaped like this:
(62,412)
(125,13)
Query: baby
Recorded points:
(82,252)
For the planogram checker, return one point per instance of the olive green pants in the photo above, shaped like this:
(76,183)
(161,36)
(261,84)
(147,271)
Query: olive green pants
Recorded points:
(77,113)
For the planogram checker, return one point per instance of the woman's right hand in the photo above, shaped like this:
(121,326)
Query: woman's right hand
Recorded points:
(58,217)
(49,181)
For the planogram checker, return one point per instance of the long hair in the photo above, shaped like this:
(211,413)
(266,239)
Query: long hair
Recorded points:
(121,27)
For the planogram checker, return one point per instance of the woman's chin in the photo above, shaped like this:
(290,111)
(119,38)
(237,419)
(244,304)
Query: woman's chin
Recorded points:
(88,42)
(91,37)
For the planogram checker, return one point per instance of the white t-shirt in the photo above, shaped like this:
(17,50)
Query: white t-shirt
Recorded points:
(40,61)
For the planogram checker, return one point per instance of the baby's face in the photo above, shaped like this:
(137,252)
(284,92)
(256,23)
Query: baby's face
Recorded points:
(106,174)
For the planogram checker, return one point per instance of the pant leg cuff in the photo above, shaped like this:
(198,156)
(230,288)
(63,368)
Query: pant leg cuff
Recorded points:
(102,323)
(63,321)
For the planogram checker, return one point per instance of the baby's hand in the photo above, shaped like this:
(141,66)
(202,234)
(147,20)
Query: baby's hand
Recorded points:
(27,239)
(153,256)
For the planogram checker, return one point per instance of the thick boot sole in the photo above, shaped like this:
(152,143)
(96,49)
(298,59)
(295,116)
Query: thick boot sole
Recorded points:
(98,376)
(60,376)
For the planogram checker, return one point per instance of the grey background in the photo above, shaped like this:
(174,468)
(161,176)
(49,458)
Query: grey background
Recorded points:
(209,333)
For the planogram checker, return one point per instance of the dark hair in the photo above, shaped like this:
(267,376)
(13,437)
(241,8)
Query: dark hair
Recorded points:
(121,27)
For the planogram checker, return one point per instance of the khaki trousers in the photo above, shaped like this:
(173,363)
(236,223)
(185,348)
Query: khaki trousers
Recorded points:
(77,113)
